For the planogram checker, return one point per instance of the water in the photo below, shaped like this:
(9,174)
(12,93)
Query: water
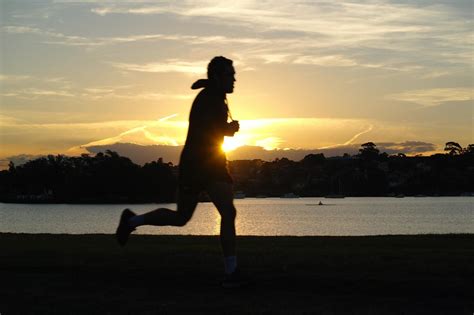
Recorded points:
(269,216)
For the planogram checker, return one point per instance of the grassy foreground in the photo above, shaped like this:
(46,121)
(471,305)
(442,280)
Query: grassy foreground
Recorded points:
(90,274)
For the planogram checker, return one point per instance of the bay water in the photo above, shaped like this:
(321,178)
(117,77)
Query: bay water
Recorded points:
(261,216)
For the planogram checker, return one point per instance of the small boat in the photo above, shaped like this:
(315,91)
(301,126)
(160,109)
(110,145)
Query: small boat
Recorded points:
(239,195)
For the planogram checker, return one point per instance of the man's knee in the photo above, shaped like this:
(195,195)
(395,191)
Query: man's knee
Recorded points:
(183,218)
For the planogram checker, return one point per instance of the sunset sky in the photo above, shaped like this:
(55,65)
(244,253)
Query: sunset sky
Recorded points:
(310,74)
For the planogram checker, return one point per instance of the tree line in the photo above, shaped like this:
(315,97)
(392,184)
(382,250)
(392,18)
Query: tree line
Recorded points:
(110,178)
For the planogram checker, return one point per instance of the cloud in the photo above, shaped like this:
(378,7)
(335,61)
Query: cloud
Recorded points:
(18,124)
(104,10)
(120,92)
(59,87)
(10,121)
(142,154)
(5,77)
(330,61)
(434,97)
(407,147)
(351,140)
(323,33)
(274,58)
(36,87)
(290,137)
(280,133)
(67,40)
(195,67)
(256,152)
(366,20)
(72,40)
(170,133)
(33,93)
(339,30)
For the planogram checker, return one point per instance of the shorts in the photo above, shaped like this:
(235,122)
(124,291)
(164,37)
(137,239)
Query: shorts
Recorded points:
(197,174)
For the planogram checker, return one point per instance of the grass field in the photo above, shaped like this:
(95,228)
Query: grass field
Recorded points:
(90,274)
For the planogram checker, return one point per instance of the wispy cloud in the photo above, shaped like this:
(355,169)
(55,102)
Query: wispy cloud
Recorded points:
(367,20)
(409,147)
(271,133)
(324,33)
(33,93)
(36,86)
(138,10)
(434,97)
(59,87)
(58,38)
(351,140)
(5,77)
(274,58)
(194,67)
(142,135)
(98,93)
(340,27)
(72,40)
(334,61)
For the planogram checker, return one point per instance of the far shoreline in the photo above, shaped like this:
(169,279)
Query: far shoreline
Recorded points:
(119,202)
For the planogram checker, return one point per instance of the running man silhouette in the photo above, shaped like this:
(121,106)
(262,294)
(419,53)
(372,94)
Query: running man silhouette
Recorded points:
(202,167)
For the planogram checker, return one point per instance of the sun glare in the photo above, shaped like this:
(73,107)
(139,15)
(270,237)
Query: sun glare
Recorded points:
(232,143)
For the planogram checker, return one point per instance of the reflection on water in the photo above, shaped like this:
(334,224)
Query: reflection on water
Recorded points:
(269,216)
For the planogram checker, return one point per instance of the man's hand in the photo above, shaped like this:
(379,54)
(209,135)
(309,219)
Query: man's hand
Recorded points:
(234,125)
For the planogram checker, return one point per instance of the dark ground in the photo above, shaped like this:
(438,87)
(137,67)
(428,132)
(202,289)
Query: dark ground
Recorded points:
(90,274)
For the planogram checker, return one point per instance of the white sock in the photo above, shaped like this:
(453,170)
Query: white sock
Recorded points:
(230,264)
(136,221)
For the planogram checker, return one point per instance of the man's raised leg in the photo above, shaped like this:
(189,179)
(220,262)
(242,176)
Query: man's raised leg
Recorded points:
(187,202)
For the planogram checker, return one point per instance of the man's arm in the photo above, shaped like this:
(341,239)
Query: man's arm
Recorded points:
(214,118)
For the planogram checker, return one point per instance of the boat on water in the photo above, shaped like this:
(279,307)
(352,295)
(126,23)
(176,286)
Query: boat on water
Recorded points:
(239,195)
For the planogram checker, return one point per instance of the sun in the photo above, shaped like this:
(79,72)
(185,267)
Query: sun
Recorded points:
(232,143)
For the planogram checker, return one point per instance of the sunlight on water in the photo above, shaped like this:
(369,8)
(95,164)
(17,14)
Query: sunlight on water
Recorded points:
(268,216)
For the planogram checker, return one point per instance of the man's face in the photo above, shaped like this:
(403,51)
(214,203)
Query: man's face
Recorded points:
(227,79)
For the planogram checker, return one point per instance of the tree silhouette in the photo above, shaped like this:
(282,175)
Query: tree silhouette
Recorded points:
(453,148)
(368,151)
(109,177)
(469,150)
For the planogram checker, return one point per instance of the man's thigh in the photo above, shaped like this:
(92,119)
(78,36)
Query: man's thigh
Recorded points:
(187,202)
(222,196)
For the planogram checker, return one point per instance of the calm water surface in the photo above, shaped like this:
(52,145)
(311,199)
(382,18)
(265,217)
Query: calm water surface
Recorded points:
(269,216)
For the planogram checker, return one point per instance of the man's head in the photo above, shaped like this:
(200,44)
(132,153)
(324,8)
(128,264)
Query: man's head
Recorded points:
(221,72)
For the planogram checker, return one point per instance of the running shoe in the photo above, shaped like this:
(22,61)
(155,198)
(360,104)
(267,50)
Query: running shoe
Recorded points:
(124,229)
